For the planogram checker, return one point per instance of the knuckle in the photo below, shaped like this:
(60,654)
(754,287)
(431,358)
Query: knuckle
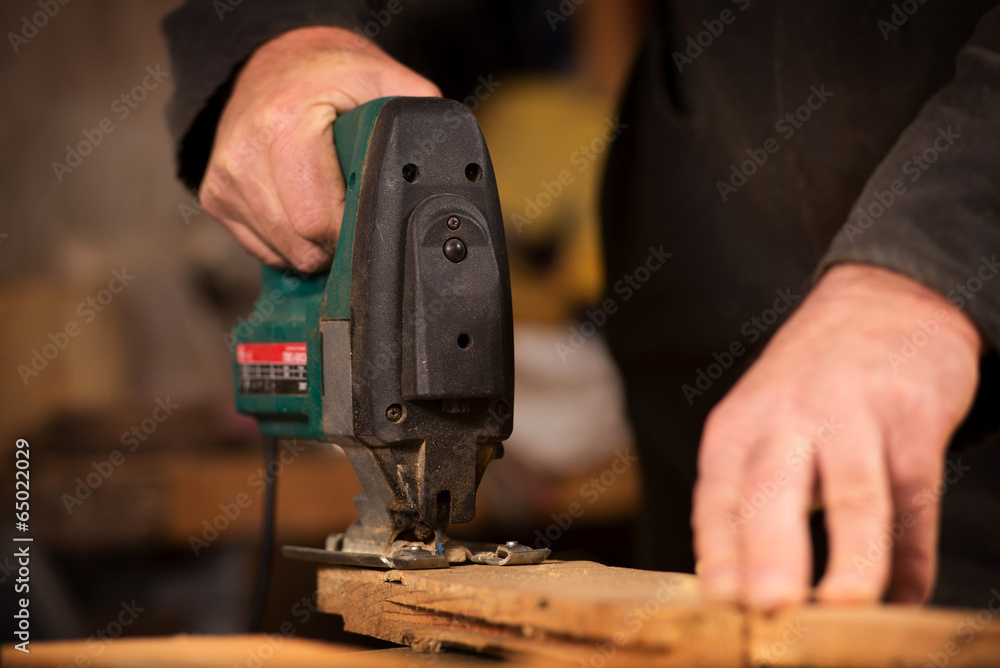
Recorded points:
(920,556)
(858,499)
(213,205)
(761,472)
(310,262)
(214,185)
(312,224)
(428,89)
(911,398)
(271,260)
(209,201)
(310,266)
(286,141)
(712,496)
(718,425)
(914,399)
(916,467)
(272,214)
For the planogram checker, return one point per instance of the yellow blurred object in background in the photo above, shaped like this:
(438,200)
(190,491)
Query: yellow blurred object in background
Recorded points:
(547,141)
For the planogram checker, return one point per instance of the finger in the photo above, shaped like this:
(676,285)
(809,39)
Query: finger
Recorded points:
(914,558)
(858,510)
(254,244)
(916,468)
(308,180)
(775,545)
(230,212)
(266,215)
(230,207)
(715,516)
(240,186)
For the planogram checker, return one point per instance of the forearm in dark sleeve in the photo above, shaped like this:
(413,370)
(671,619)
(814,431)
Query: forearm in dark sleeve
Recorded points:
(209,41)
(931,210)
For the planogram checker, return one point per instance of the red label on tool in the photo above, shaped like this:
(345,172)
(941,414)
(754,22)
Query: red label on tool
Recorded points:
(270,353)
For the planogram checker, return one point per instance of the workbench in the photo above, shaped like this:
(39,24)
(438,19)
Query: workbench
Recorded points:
(578,614)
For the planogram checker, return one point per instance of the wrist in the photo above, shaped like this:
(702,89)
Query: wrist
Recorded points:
(875,287)
(313,38)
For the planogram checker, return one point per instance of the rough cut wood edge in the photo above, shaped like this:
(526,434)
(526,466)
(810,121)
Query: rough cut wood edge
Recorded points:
(585,614)
(579,612)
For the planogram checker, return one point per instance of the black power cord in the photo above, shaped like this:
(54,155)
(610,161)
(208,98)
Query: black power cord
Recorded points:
(259,601)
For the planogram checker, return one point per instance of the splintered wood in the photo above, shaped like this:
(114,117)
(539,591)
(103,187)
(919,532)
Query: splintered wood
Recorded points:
(585,614)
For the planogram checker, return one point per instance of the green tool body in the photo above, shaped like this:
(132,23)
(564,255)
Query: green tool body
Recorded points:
(284,342)
(402,353)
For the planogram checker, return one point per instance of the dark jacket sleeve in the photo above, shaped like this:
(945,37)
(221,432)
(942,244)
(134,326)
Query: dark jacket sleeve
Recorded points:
(931,209)
(209,41)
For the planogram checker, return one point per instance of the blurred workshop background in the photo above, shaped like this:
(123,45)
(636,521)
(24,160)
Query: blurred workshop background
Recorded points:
(116,291)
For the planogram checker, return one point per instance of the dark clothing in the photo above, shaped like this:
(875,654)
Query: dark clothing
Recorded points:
(756,131)
(209,42)
(879,97)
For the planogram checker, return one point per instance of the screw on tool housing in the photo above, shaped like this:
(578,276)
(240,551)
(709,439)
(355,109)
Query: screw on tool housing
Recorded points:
(394,413)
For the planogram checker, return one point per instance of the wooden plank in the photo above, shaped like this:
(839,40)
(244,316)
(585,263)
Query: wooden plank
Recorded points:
(881,635)
(577,612)
(585,614)
(272,651)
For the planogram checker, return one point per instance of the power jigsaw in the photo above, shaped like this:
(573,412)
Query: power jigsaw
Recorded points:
(402,353)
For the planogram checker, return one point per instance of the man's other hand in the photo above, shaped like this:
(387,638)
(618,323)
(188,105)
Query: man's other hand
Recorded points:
(273,178)
(856,398)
